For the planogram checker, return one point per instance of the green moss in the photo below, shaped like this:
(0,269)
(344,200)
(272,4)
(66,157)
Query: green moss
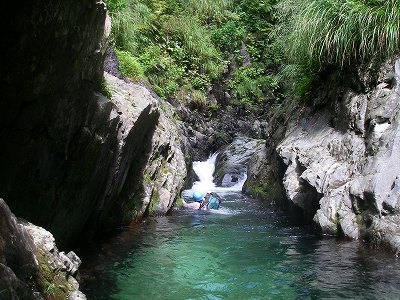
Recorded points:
(52,284)
(147,178)
(154,199)
(260,142)
(179,202)
(268,189)
(105,89)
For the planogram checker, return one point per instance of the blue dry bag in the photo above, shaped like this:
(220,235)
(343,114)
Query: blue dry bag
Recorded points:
(213,203)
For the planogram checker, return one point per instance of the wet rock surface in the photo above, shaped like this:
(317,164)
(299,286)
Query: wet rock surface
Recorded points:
(342,162)
(231,162)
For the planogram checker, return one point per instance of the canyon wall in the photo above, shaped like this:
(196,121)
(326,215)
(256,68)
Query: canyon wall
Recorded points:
(339,161)
(72,160)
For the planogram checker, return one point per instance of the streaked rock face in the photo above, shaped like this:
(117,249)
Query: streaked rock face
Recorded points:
(73,161)
(158,171)
(343,163)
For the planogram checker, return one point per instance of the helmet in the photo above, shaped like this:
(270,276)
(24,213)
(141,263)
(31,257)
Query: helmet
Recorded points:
(197,196)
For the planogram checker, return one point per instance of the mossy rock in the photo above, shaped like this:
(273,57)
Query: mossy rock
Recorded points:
(268,189)
(52,284)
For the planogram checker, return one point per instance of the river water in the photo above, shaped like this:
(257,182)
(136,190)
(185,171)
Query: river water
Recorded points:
(245,250)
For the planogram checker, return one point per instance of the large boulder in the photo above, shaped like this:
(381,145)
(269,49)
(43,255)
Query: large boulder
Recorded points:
(158,172)
(31,267)
(263,176)
(231,162)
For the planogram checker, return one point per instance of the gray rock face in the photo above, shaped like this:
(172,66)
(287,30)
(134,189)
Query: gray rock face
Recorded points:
(30,261)
(343,163)
(51,121)
(73,161)
(64,265)
(165,170)
(263,178)
(157,176)
(17,260)
(231,162)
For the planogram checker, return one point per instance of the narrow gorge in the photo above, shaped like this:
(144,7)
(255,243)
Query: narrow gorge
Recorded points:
(96,161)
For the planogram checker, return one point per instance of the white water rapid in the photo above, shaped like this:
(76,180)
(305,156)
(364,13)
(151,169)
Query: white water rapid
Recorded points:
(204,170)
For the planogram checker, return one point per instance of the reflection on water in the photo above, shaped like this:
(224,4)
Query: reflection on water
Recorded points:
(249,251)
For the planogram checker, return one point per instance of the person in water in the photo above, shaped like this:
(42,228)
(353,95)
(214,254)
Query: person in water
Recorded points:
(209,201)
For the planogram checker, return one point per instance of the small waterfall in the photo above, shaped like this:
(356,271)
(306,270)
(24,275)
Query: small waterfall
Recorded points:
(204,170)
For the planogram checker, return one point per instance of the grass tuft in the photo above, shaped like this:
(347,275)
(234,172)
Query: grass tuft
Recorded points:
(343,32)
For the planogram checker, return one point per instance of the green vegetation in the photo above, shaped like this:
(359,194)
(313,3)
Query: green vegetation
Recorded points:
(128,65)
(154,199)
(105,89)
(342,34)
(258,50)
(181,47)
(51,284)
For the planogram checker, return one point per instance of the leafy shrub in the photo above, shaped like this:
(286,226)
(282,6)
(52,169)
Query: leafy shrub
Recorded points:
(248,85)
(183,46)
(128,65)
(229,35)
(210,11)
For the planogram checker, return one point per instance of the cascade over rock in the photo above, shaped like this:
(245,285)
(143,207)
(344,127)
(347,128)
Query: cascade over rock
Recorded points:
(340,164)
(231,162)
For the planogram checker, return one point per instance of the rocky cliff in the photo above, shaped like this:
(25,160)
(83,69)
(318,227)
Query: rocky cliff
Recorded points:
(31,267)
(72,160)
(340,162)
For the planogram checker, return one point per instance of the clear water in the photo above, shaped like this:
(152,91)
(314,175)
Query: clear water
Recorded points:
(246,250)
